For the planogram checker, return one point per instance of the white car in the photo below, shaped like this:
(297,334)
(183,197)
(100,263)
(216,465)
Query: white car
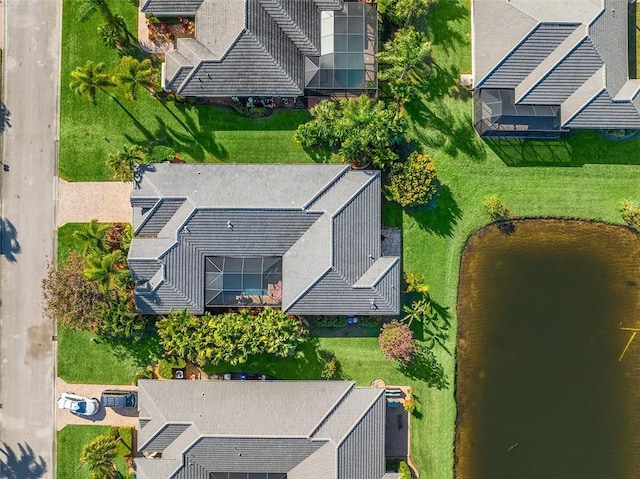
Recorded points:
(79,405)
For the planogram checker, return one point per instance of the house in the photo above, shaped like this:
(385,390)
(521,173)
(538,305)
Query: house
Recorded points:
(303,238)
(544,67)
(271,47)
(260,430)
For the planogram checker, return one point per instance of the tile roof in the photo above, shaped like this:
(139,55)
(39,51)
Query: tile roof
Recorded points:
(322,220)
(329,427)
(243,47)
(571,54)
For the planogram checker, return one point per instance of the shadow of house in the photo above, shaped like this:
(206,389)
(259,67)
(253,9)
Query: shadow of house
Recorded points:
(9,240)
(21,464)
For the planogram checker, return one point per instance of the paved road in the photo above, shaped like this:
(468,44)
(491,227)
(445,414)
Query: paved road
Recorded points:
(27,367)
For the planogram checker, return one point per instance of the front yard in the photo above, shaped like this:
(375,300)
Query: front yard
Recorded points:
(89,133)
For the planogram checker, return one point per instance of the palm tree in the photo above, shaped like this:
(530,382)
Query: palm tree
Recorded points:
(119,320)
(406,61)
(122,163)
(92,237)
(98,456)
(106,270)
(133,74)
(89,79)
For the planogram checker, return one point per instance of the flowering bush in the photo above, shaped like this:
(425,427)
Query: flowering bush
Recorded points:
(413,182)
(397,342)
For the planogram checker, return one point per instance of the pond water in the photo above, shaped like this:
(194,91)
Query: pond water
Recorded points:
(542,389)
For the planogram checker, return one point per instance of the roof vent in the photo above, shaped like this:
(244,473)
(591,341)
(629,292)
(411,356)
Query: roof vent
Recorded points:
(229,225)
(373,304)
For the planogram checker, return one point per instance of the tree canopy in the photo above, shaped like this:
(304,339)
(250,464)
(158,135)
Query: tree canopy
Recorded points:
(361,131)
(230,337)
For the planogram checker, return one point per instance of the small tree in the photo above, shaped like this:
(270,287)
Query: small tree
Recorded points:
(114,33)
(496,208)
(397,342)
(413,182)
(404,63)
(70,297)
(415,283)
(92,237)
(630,214)
(98,456)
(419,310)
(122,163)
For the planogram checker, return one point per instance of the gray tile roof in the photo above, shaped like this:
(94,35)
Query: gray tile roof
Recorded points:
(323,220)
(329,429)
(170,7)
(559,53)
(243,47)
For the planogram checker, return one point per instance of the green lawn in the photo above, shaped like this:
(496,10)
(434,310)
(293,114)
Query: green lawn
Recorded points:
(71,440)
(89,133)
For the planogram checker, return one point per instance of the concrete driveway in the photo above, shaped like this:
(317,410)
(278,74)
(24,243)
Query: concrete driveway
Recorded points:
(106,201)
(105,417)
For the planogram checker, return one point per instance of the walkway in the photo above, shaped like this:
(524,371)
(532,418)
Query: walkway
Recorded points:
(81,202)
(105,416)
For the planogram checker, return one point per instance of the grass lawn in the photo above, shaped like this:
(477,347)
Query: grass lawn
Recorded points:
(89,133)
(70,442)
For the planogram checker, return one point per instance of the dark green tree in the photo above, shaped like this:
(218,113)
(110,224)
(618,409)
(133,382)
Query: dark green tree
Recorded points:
(122,163)
(360,130)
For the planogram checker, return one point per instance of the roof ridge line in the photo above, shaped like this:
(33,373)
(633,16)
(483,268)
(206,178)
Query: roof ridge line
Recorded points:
(355,194)
(546,66)
(360,418)
(381,275)
(270,6)
(504,58)
(330,184)
(268,53)
(333,409)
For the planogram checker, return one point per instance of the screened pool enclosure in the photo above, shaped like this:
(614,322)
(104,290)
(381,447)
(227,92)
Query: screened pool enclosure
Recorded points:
(237,282)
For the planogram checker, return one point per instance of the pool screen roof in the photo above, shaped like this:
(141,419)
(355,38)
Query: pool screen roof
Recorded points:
(231,281)
(347,50)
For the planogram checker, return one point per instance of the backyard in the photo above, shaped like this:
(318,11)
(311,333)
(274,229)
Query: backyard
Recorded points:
(583,176)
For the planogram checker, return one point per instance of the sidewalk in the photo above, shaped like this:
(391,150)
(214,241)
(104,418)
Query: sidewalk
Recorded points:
(105,416)
(106,201)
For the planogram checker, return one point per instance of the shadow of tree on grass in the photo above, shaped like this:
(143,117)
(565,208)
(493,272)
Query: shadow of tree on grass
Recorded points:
(441,216)
(426,367)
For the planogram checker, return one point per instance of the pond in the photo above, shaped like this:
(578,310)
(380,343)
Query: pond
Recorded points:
(543,387)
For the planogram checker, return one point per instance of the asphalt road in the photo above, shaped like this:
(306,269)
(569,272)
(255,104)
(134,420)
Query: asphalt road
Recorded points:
(28,178)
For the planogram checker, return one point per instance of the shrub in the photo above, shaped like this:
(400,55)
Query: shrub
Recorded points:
(630,214)
(70,297)
(397,342)
(330,321)
(496,208)
(404,470)
(160,153)
(370,321)
(167,365)
(409,405)
(230,337)
(415,283)
(413,182)
(331,365)
(145,373)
